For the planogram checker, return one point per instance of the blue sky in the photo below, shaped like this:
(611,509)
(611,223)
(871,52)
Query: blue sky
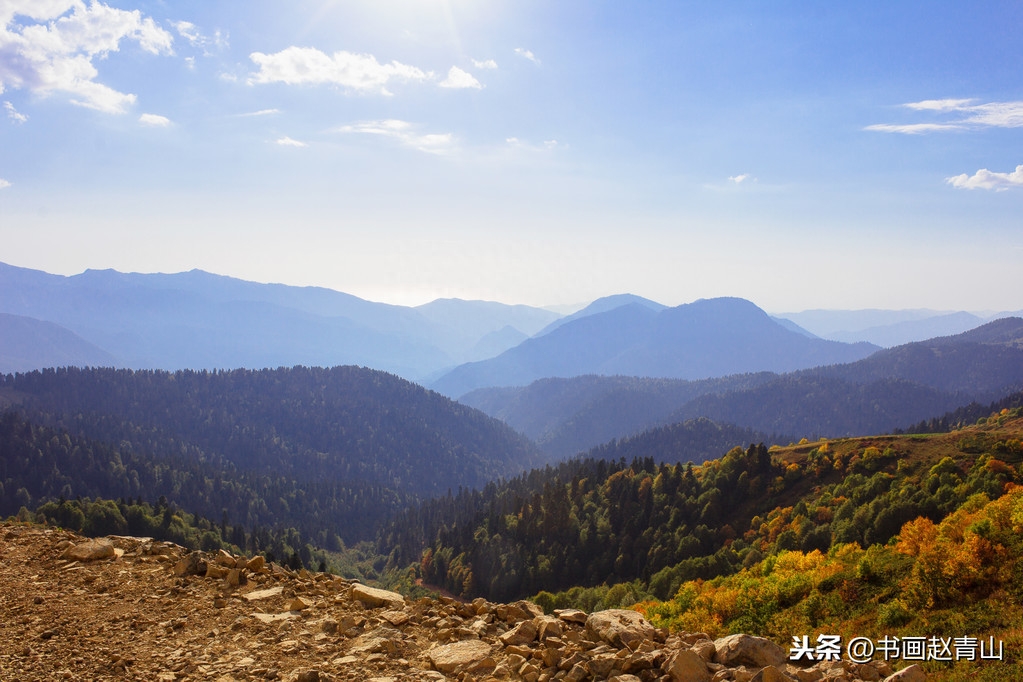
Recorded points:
(801,155)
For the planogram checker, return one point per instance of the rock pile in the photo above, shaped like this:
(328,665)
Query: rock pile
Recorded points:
(137,609)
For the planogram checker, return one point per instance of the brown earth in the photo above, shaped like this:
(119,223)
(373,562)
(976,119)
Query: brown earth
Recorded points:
(135,609)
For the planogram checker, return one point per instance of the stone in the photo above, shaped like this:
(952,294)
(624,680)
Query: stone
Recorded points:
(687,666)
(256,563)
(395,618)
(523,633)
(548,626)
(913,673)
(373,597)
(192,564)
(571,615)
(770,674)
(216,571)
(706,649)
(299,604)
(235,577)
(90,550)
(758,652)
(257,595)
(619,627)
(380,640)
(449,658)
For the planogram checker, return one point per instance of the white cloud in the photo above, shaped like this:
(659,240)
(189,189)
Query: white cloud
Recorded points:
(985,179)
(966,115)
(739,179)
(913,128)
(938,104)
(13,113)
(4,184)
(288,142)
(261,112)
(460,79)
(196,38)
(154,120)
(485,64)
(58,55)
(360,72)
(528,54)
(404,132)
(548,145)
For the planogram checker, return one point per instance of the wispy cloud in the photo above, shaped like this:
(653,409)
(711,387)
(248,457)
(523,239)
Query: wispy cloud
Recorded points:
(191,33)
(485,64)
(4,184)
(13,113)
(289,142)
(913,128)
(741,178)
(154,120)
(460,79)
(404,132)
(962,114)
(56,49)
(516,143)
(261,112)
(985,179)
(527,54)
(307,65)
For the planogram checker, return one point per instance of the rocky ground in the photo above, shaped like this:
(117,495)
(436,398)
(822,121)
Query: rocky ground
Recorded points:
(132,608)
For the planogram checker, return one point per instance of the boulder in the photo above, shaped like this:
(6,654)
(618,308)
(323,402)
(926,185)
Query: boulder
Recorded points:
(758,652)
(449,658)
(619,627)
(523,633)
(90,550)
(687,666)
(372,597)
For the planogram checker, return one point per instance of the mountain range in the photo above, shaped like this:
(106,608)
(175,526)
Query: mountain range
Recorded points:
(888,390)
(197,320)
(707,338)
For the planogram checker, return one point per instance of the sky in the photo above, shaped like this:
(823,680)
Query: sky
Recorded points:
(800,155)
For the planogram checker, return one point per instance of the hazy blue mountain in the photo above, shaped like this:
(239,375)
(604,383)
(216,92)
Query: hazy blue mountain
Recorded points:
(888,390)
(463,325)
(707,338)
(792,326)
(909,331)
(27,343)
(200,320)
(828,323)
(603,305)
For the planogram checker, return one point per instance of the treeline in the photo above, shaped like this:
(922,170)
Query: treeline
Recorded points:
(163,521)
(588,521)
(332,452)
(608,521)
(963,416)
(40,464)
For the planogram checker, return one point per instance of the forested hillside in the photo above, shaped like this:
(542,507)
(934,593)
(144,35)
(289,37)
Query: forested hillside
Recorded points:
(624,515)
(324,450)
(886,391)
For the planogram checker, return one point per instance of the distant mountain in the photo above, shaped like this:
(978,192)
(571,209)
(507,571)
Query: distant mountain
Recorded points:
(320,449)
(886,391)
(708,338)
(827,323)
(603,305)
(886,328)
(27,343)
(909,331)
(199,320)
